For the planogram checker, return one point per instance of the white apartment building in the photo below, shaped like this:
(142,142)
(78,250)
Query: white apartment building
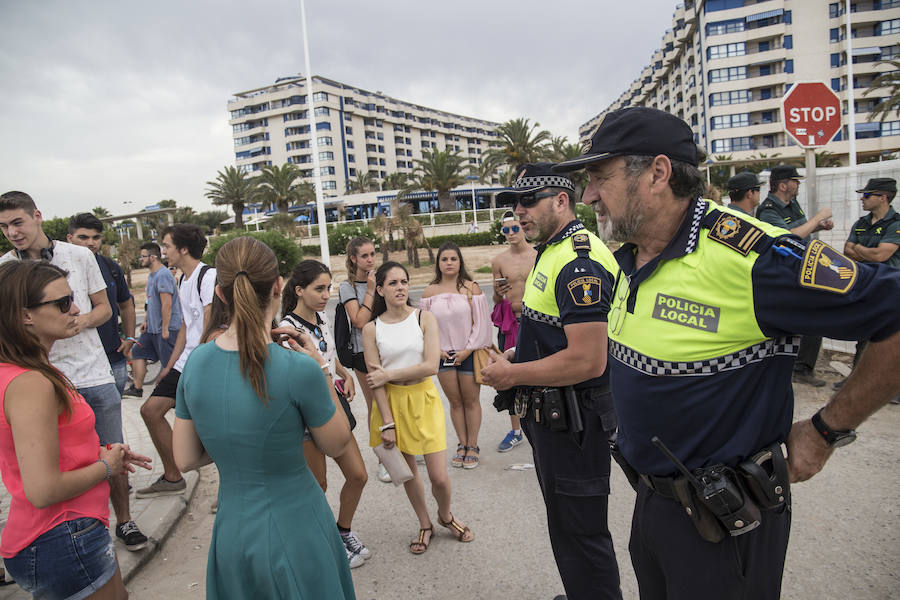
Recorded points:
(725,65)
(358,131)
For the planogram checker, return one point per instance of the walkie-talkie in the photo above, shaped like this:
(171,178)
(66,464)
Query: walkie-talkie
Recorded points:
(719,493)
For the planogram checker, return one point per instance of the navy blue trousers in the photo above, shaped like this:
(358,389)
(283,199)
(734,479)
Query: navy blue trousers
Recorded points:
(573,472)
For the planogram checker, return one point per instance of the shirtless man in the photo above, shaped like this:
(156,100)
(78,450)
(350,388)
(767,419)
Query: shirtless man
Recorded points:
(510,269)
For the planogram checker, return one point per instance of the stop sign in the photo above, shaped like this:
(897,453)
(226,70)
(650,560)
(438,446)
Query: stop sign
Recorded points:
(811,113)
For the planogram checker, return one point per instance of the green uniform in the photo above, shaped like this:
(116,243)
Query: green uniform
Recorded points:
(787,216)
(869,234)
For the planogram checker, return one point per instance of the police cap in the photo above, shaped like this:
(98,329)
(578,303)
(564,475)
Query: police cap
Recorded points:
(743,182)
(880,184)
(533,178)
(783,172)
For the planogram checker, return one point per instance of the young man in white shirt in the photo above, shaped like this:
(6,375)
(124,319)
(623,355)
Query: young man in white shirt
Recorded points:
(183,247)
(81,358)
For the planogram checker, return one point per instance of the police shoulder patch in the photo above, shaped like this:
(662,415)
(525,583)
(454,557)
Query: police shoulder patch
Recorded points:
(585,291)
(824,268)
(581,241)
(736,233)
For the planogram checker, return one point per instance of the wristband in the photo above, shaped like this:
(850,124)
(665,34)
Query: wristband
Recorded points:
(324,367)
(366,307)
(130,339)
(108,470)
(388,426)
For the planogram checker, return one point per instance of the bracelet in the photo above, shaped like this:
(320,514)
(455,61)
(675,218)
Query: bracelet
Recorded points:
(324,367)
(365,307)
(388,426)
(108,470)
(130,339)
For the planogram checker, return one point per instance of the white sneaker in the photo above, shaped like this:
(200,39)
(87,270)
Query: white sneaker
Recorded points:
(353,544)
(355,559)
(383,475)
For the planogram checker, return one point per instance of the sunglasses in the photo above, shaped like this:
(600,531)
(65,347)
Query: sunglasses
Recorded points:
(506,230)
(323,345)
(870,194)
(529,200)
(63,304)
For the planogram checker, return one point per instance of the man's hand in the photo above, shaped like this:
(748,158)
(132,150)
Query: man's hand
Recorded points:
(164,333)
(807,451)
(503,288)
(498,372)
(125,347)
(144,327)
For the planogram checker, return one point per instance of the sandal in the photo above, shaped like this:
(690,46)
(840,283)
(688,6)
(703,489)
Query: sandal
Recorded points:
(460,457)
(461,532)
(419,545)
(471,460)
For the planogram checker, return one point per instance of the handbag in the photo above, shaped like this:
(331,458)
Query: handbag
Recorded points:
(480,355)
(346,406)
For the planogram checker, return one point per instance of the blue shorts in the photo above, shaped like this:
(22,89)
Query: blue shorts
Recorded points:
(151,346)
(106,402)
(120,372)
(467,366)
(71,561)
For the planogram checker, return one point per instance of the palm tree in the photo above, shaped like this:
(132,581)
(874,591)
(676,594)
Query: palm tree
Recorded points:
(394,181)
(278,187)
(890,79)
(232,187)
(561,150)
(100,212)
(520,143)
(364,182)
(439,171)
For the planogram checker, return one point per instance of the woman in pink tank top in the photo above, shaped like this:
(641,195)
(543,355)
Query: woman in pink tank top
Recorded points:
(55,543)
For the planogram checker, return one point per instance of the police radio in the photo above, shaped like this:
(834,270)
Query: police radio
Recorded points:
(717,489)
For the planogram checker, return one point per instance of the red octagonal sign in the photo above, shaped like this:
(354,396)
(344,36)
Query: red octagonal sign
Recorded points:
(811,112)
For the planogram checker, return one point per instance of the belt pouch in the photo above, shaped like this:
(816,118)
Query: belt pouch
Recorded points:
(704,520)
(630,473)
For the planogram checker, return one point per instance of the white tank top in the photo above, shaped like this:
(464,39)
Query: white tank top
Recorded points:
(402,344)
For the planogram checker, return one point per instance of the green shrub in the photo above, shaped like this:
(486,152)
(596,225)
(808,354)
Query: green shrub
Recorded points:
(423,219)
(447,218)
(341,234)
(482,238)
(587,216)
(484,215)
(484,269)
(287,252)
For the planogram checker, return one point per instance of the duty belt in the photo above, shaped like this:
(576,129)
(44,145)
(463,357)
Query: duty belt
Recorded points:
(560,408)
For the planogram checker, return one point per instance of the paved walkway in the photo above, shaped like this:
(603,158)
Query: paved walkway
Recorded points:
(155,516)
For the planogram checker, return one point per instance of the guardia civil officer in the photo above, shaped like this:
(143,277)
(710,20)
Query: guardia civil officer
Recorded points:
(559,373)
(780,208)
(743,190)
(701,351)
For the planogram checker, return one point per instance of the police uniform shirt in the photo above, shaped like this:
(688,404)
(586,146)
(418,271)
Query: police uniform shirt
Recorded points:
(786,216)
(702,340)
(886,229)
(581,287)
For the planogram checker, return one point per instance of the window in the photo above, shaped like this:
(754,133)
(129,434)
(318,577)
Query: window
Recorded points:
(323,126)
(370,147)
(326,170)
(767,116)
(765,70)
(726,50)
(836,84)
(294,116)
(348,130)
(352,172)
(351,158)
(789,64)
(729,74)
(788,42)
(714,5)
(349,143)
(763,47)
(326,155)
(726,121)
(834,34)
(373,161)
(320,97)
(723,27)
(735,97)
(381,149)
(382,162)
(890,128)
(732,144)
(765,93)
(380,136)
(835,59)
(322,111)
(325,141)
(888,27)
(834,10)
(890,52)
(329,185)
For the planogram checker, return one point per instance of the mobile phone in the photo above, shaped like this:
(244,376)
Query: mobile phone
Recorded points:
(500,281)
(339,386)
(449,361)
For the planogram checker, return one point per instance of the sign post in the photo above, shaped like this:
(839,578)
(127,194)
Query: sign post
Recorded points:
(811,113)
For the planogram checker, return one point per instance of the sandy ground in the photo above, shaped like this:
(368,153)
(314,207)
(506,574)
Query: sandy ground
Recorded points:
(844,540)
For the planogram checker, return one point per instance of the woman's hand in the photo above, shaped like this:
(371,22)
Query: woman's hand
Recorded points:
(370,282)
(389,438)
(461,356)
(377,377)
(349,389)
(114,456)
(139,460)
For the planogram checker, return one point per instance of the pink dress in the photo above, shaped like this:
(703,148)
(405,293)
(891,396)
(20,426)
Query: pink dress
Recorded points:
(79,447)
(460,327)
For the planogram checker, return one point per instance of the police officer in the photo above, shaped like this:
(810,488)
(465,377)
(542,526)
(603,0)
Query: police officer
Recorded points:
(701,354)
(781,208)
(743,189)
(559,372)
(875,238)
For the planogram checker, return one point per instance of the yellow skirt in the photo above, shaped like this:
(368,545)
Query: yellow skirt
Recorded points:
(418,416)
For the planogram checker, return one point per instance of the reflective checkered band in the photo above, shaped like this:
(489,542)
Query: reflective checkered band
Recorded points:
(699,211)
(755,353)
(534,315)
(544,181)
(575,227)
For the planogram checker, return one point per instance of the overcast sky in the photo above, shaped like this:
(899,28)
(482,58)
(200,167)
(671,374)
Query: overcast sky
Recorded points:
(121,104)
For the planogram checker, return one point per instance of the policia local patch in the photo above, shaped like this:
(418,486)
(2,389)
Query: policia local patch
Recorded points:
(824,268)
(585,291)
(686,312)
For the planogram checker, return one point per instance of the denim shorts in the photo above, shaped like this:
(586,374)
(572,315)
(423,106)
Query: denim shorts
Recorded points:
(106,402)
(120,372)
(152,346)
(467,366)
(71,561)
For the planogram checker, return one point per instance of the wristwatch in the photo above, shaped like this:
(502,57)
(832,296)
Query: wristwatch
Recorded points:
(835,438)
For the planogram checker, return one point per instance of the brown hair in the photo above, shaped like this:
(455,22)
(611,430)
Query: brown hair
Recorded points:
(462,277)
(218,319)
(15,200)
(21,285)
(246,270)
(353,247)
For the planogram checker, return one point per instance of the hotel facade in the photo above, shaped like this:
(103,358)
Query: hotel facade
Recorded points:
(358,131)
(725,65)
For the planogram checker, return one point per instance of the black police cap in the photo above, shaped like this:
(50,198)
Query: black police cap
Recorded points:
(742,182)
(782,172)
(535,177)
(880,184)
(640,131)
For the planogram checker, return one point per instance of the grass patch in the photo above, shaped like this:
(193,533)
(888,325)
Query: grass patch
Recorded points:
(484,269)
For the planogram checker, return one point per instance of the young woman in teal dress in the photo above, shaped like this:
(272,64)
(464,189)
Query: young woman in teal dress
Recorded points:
(243,402)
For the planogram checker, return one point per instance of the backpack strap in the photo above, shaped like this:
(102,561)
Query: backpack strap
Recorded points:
(203,269)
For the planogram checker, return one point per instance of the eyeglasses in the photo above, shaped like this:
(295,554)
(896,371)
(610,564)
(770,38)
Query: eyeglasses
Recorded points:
(323,345)
(529,200)
(506,230)
(617,312)
(870,194)
(64,304)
